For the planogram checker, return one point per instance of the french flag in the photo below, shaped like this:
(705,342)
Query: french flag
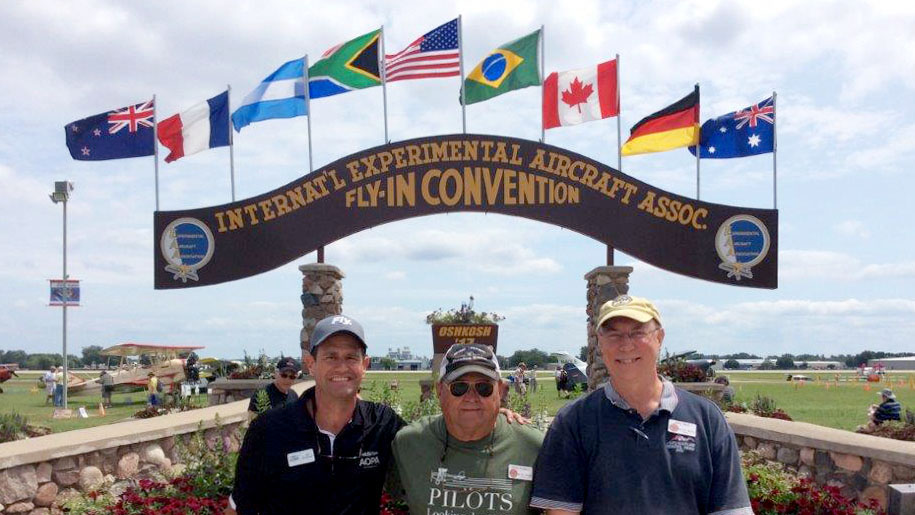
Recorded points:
(206,125)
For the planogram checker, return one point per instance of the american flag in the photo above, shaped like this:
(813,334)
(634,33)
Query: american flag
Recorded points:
(434,54)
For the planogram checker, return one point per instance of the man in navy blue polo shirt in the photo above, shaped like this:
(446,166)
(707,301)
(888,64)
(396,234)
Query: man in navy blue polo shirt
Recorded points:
(638,444)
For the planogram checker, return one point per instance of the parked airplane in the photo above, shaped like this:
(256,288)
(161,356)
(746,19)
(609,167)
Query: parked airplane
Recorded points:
(166,362)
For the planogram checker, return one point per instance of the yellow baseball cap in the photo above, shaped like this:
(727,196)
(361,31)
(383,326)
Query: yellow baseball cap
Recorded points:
(636,308)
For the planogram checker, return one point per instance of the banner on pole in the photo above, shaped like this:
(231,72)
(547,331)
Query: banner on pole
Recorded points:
(64,291)
(466,172)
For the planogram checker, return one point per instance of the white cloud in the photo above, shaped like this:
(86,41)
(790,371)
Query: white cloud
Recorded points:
(491,250)
(818,264)
(852,228)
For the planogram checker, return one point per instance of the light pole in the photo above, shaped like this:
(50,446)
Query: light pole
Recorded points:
(61,194)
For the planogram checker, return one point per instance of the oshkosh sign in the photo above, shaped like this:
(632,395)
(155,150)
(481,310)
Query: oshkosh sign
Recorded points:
(466,172)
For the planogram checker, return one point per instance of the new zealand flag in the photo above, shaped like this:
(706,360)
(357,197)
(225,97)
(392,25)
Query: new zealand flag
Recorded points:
(125,132)
(748,132)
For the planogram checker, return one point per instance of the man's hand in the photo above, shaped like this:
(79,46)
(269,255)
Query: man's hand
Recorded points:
(511,416)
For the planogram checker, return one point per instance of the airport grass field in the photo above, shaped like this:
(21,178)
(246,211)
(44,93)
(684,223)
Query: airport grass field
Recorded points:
(24,396)
(825,401)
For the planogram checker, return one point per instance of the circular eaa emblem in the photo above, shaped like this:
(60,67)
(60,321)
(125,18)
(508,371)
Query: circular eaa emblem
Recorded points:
(622,300)
(187,245)
(742,242)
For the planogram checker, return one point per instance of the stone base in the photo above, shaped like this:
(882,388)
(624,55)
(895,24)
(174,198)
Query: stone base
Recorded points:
(604,283)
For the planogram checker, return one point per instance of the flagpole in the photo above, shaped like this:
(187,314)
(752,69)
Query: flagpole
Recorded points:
(619,142)
(698,147)
(619,113)
(384,87)
(231,142)
(542,70)
(461,60)
(774,149)
(156,148)
(308,113)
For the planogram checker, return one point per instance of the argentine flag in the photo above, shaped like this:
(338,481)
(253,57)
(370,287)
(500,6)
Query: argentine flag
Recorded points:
(280,95)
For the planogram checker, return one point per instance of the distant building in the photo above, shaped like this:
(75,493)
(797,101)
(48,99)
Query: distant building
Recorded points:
(745,364)
(404,360)
(753,364)
(907,363)
(821,365)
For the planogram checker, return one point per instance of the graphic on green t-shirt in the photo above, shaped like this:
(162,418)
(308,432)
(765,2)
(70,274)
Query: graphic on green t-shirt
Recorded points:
(490,476)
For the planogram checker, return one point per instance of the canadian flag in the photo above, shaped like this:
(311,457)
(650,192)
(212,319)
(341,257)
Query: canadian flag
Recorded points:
(579,96)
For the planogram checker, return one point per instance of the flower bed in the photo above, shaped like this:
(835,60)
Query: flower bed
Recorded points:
(761,407)
(775,489)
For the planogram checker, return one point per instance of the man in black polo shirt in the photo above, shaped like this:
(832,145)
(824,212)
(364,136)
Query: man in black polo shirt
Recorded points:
(328,452)
(280,391)
(638,444)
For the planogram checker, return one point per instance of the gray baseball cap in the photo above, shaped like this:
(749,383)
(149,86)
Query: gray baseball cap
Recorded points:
(336,324)
(464,358)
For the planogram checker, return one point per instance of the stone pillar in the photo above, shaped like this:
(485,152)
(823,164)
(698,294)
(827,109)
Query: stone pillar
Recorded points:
(604,283)
(322,296)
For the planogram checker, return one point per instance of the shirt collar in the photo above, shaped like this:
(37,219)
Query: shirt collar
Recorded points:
(308,398)
(668,401)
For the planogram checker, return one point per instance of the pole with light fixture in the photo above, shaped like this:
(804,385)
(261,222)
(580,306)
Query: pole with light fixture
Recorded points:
(61,195)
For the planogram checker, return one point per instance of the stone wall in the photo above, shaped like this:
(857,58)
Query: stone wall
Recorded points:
(37,475)
(861,466)
(604,283)
(322,296)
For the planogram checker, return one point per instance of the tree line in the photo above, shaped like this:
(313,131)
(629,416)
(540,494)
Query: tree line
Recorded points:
(799,361)
(42,361)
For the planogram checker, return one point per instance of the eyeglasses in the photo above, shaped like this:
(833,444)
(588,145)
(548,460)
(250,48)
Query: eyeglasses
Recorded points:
(459,388)
(637,335)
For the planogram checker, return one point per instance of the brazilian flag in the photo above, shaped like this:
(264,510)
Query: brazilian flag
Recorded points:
(512,66)
(345,67)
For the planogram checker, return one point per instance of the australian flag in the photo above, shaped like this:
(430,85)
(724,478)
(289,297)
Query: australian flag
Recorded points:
(747,132)
(125,132)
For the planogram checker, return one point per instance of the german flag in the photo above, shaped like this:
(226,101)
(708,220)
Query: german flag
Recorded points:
(677,125)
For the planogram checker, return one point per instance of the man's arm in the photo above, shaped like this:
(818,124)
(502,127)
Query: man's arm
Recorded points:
(561,467)
(249,486)
(729,489)
(561,512)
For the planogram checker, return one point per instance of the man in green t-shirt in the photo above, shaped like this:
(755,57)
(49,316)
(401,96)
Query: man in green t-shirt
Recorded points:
(468,460)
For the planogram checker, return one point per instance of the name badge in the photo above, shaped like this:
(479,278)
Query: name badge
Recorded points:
(520,472)
(679,427)
(301,457)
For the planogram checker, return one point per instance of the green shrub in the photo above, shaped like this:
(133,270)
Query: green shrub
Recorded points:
(13,426)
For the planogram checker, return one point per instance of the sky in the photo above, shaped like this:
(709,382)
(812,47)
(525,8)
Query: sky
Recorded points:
(846,147)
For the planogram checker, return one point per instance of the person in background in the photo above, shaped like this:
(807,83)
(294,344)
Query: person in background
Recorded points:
(888,409)
(521,379)
(727,394)
(280,391)
(107,382)
(152,389)
(49,383)
(59,387)
(532,378)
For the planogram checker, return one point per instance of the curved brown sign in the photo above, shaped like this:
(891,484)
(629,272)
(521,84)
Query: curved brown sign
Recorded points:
(466,172)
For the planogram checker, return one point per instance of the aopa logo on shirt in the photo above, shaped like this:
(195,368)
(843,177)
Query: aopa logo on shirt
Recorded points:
(369,459)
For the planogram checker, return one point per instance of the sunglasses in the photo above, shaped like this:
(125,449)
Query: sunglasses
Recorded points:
(459,388)
(290,375)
